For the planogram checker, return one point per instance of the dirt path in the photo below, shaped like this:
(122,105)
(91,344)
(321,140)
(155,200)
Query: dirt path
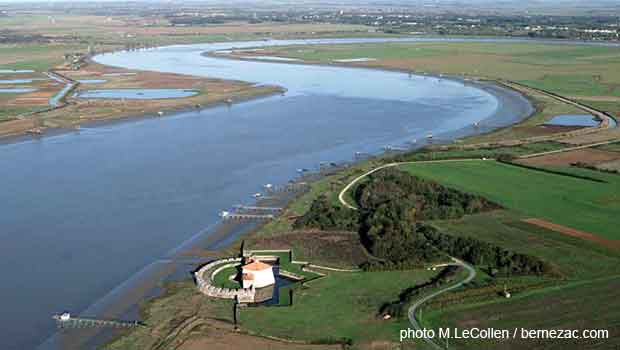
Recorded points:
(415,321)
(341,195)
(595,112)
(567,149)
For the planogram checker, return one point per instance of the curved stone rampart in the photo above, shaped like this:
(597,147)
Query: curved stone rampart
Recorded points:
(204,281)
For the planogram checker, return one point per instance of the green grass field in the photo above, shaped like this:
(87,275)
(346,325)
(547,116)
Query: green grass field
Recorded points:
(613,147)
(329,53)
(592,304)
(430,154)
(576,71)
(340,305)
(9,113)
(581,204)
(583,85)
(286,265)
(222,278)
(545,66)
(574,257)
(38,57)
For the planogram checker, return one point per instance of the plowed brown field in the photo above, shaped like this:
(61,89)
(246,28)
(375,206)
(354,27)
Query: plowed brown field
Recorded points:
(587,155)
(573,232)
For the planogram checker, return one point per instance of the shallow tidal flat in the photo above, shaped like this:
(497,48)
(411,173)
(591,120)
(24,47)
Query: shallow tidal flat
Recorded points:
(120,196)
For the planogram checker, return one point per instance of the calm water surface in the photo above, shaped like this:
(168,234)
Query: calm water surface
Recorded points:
(16,81)
(82,212)
(92,81)
(15,71)
(136,94)
(573,120)
(16,90)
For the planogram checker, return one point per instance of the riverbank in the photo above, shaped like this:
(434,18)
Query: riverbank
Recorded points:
(489,132)
(525,108)
(141,211)
(508,101)
(139,175)
(75,111)
(179,295)
(171,279)
(535,66)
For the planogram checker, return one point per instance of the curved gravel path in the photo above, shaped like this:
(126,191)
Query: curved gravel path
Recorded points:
(342,193)
(412,310)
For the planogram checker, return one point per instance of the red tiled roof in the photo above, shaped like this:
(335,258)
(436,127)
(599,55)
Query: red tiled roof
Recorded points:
(256,266)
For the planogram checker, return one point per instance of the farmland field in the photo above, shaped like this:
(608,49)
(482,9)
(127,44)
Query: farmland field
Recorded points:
(577,203)
(121,30)
(574,257)
(614,147)
(589,272)
(544,66)
(340,305)
(579,305)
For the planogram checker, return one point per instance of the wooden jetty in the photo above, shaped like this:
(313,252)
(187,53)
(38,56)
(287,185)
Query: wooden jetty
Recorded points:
(256,208)
(225,215)
(65,320)
(294,186)
(35,131)
(389,148)
(290,187)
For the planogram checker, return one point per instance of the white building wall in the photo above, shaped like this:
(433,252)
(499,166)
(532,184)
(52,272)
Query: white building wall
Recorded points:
(261,279)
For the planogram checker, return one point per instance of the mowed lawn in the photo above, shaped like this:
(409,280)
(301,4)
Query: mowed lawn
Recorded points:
(340,305)
(577,203)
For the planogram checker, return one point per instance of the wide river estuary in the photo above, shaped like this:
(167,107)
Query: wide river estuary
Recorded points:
(82,213)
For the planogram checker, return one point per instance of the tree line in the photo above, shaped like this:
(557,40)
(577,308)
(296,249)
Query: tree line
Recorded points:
(394,207)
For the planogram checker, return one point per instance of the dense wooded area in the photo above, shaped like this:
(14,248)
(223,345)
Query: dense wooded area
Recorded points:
(423,199)
(393,206)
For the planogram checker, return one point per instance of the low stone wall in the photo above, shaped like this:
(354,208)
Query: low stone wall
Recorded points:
(205,284)
(291,275)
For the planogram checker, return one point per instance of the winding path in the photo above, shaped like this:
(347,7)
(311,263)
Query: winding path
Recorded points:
(341,195)
(415,322)
(472,272)
(604,116)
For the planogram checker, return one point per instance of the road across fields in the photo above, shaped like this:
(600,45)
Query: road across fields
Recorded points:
(415,322)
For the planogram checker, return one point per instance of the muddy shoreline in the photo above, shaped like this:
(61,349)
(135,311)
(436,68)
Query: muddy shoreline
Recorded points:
(506,96)
(25,136)
(186,254)
(241,92)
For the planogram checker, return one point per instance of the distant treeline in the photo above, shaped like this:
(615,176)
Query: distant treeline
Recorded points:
(10,37)
(392,206)
(398,309)
(588,166)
